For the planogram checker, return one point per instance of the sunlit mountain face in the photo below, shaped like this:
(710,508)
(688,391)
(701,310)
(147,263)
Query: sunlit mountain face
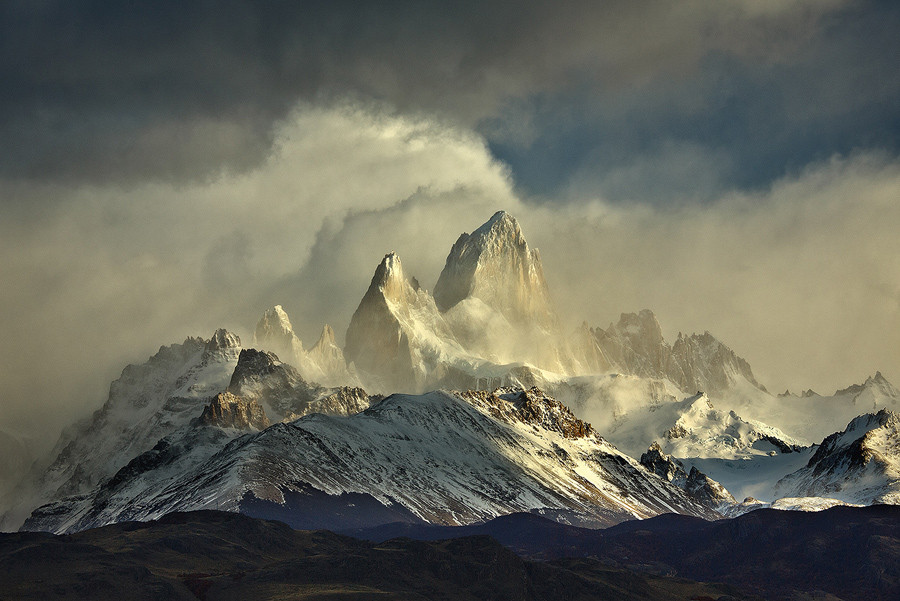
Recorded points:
(456,407)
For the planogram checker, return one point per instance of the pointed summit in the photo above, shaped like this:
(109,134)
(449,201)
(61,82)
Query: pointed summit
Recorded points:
(388,331)
(329,358)
(389,280)
(222,346)
(494,264)
(274,322)
(274,332)
(223,339)
(501,225)
(326,338)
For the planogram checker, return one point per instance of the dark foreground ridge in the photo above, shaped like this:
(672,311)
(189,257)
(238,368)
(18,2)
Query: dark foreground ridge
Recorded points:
(212,555)
(846,552)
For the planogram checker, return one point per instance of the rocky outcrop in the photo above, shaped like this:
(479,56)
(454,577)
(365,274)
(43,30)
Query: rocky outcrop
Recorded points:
(344,400)
(277,386)
(531,407)
(285,394)
(698,485)
(229,411)
(707,491)
(664,466)
(223,340)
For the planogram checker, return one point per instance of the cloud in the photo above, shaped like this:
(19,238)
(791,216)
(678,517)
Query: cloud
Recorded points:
(98,93)
(96,276)
(799,278)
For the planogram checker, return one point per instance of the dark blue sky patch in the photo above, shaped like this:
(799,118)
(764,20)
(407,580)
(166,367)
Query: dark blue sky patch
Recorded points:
(757,121)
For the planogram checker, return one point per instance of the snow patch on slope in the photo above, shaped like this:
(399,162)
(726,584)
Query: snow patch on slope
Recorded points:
(447,458)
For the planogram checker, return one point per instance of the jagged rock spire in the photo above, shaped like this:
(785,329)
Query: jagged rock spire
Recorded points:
(495,265)
(222,340)
(386,331)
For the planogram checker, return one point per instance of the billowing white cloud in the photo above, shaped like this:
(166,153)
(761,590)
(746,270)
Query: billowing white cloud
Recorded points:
(98,276)
(801,279)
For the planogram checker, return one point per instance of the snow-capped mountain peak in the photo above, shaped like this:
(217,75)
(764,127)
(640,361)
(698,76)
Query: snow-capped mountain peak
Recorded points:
(274,320)
(874,388)
(860,464)
(495,265)
(397,335)
(224,341)
(390,281)
(704,431)
(275,333)
(146,403)
(326,338)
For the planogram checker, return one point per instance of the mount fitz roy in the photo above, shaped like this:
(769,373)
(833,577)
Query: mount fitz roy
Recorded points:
(542,420)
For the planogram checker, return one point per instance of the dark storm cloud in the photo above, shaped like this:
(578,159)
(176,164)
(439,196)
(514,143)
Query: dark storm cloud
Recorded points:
(100,91)
(754,119)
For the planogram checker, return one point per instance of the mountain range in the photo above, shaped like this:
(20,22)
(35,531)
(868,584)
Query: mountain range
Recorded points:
(457,407)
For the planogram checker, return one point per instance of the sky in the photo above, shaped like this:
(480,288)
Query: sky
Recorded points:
(169,168)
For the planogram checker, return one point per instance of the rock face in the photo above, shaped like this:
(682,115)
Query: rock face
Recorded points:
(279,388)
(858,465)
(229,411)
(636,346)
(698,485)
(225,343)
(707,491)
(531,406)
(494,265)
(493,295)
(664,466)
(275,333)
(397,335)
